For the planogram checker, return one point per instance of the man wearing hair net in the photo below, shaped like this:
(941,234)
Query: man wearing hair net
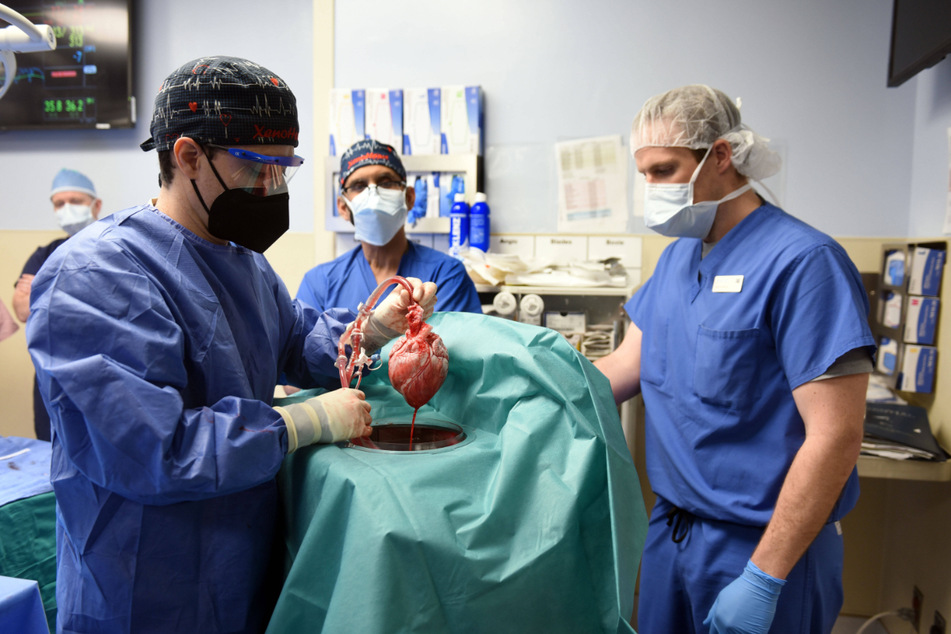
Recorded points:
(374,197)
(751,348)
(75,205)
(158,336)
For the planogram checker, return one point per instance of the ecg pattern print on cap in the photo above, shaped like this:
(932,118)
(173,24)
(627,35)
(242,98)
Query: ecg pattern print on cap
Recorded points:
(369,152)
(226,101)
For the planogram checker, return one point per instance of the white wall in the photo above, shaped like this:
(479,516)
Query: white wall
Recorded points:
(861,159)
(811,75)
(166,35)
(931,179)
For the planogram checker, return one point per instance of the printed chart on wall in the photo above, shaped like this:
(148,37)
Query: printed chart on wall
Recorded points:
(947,211)
(592,185)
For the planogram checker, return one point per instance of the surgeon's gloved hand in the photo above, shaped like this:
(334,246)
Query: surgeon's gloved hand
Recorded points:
(331,417)
(747,605)
(389,317)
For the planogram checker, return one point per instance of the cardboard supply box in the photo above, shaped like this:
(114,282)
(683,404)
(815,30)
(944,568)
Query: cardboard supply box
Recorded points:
(567,321)
(917,368)
(347,119)
(421,121)
(921,319)
(462,118)
(384,116)
(925,275)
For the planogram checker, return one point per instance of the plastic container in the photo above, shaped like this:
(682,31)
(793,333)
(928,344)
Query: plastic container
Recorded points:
(479,223)
(887,356)
(504,304)
(895,268)
(530,309)
(458,225)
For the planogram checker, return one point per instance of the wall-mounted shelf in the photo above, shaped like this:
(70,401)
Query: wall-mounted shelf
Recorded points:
(886,468)
(468,165)
(878,467)
(602,305)
(600,291)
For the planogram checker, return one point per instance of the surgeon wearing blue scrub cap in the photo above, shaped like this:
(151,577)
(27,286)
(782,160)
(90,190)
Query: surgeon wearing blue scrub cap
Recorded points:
(751,347)
(158,336)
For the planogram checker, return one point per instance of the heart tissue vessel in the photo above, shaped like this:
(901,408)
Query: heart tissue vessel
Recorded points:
(419,361)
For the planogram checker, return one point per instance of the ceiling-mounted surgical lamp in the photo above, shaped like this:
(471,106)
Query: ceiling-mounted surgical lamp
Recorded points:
(21,37)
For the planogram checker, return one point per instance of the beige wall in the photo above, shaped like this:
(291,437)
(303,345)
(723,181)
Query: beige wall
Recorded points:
(16,369)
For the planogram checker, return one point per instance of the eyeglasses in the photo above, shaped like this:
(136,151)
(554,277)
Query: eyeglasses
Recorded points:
(358,187)
(261,174)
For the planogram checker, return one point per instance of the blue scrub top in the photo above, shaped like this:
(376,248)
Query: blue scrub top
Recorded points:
(157,353)
(348,281)
(39,257)
(719,363)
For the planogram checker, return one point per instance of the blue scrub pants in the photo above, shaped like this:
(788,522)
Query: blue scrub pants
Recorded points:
(680,581)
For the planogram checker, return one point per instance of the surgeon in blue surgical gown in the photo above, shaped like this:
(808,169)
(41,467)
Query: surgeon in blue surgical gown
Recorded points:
(158,334)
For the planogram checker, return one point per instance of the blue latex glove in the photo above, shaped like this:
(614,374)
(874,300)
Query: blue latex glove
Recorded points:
(419,208)
(747,605)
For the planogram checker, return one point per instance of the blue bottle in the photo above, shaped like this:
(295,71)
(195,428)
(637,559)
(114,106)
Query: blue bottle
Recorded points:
(479,223)
(458,225)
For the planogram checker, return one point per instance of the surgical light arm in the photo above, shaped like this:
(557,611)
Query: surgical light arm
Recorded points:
(21,37)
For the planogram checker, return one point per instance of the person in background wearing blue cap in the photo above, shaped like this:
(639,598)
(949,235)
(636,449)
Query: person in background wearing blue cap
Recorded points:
(76,205)
(158,336)
(375,198)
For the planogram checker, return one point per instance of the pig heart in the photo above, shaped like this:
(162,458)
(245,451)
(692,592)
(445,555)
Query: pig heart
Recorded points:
(418,362)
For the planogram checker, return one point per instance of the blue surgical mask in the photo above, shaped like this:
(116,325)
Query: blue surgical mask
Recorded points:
(72,218)
(377,214)
(670,211)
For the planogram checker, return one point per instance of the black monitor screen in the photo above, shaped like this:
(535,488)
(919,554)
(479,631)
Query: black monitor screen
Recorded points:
(921,37)
(87,81)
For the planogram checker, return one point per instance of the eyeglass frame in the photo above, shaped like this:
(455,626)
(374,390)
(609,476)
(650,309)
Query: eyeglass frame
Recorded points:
(288,166)
(401,185)
(267,159)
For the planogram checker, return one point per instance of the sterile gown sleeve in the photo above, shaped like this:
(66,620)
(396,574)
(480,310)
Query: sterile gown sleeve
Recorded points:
(307,291)
(157,391)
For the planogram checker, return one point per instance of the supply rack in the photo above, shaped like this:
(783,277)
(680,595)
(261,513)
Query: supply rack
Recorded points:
(470,166)
(878,286)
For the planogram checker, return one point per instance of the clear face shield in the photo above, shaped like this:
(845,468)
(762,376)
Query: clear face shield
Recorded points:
(261,174)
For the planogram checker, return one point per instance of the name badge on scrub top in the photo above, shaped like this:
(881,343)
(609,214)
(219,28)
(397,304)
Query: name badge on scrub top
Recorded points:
(727,283)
